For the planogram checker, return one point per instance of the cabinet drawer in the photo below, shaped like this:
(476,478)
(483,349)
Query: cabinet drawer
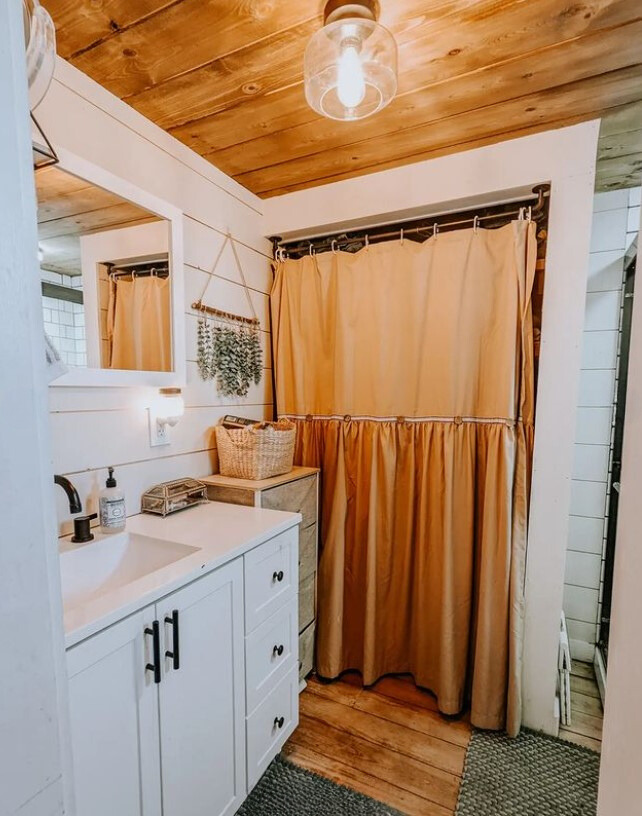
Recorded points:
(307,551)
(270,652)
(270,725)
(306,602)
(297,497)
(306,651)
(271,577)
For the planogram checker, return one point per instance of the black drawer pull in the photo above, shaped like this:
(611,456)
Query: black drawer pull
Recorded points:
(277,650)
(175,652)
(279,722)
(155,666)
(277,576)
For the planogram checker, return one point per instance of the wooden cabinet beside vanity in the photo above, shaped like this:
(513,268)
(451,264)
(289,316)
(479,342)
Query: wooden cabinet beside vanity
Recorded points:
(297,492)
(181,706)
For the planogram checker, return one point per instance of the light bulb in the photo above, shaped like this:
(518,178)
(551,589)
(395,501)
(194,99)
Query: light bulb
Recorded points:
(351,85)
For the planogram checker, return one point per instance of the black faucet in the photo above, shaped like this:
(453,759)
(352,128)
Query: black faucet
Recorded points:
(75,505)
(82,524)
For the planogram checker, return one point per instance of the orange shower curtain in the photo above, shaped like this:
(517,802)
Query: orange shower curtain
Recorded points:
(408,369)
(139,323)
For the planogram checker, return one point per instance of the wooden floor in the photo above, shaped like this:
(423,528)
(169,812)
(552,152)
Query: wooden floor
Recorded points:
(586,709)
(388,742)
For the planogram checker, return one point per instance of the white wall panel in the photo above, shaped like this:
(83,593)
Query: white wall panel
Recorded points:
(614,213)
(586,534)
(583,569)
(593,425)
(602,311)
(588,499)
(596,388)
(599,349)
(612,200)
(591,462)
(606,270)
(609,230)
(580,603)
(94,428)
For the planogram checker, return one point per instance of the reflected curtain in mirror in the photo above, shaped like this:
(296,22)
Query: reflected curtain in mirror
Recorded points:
(408,369)
(138,323)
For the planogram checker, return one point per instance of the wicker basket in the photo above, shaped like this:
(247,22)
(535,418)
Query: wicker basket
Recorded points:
(258,451)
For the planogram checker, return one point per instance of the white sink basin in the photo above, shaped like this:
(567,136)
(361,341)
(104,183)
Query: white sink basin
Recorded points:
(90,570)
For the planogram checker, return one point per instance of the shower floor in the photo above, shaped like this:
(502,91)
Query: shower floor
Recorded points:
(586,708)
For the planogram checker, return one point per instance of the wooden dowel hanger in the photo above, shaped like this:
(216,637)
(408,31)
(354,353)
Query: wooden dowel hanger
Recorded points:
(219,313)
(234,318)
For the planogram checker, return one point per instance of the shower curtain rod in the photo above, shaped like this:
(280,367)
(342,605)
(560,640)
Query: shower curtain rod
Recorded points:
(299,247)
(141,270)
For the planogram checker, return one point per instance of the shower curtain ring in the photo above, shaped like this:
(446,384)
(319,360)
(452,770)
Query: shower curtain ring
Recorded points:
(435,229)
(367,241)
(334,247)
(476,224)
(311,249)
(401,236)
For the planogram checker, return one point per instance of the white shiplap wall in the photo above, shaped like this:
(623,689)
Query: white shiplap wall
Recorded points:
(96,427)
(615,220)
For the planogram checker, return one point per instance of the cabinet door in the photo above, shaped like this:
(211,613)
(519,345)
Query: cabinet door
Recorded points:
(114,722)
(202,701)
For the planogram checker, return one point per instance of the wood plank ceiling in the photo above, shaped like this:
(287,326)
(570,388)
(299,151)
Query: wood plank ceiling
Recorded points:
(225,77)
(69,207)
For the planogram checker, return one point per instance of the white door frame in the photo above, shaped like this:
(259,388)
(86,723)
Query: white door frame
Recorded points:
(34,741)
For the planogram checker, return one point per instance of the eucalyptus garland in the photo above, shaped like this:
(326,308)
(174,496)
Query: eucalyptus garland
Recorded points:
(232,354)
(204,344)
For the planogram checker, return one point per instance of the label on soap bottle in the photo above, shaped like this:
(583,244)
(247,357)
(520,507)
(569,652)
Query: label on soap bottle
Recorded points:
(112,512)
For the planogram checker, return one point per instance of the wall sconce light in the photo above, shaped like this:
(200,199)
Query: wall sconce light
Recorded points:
(164,413)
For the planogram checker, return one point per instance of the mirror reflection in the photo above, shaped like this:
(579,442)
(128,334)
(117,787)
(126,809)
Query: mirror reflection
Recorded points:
(105,276)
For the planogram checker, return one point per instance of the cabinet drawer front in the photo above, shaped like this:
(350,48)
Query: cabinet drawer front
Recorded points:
(270,652)
(306,651)
(297,497)
(271,577)
(306,602)
(307,551)
(270,725)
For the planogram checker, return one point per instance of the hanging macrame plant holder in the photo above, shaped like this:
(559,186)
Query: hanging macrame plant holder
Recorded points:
(229,345)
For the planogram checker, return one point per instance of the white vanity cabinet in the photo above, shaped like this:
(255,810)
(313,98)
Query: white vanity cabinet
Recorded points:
(180,707)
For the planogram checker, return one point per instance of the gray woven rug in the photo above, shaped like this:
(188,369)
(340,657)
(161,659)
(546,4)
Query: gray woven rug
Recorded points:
(287,790)
(532,775)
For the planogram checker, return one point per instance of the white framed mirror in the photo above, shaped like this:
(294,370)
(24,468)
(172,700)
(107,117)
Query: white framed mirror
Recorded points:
(111,267)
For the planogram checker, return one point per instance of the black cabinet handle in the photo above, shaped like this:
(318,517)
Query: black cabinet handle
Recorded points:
(175,652)
(277,650)
(155,666)
(278,722)
(277,576)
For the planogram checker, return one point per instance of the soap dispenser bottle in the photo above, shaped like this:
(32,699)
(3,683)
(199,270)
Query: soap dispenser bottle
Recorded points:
(111,502)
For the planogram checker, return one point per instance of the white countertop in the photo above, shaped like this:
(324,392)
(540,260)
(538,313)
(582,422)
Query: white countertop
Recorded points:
(221,531)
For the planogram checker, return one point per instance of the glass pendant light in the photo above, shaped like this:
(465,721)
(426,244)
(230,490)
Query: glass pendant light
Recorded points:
(350,65)
(40,43)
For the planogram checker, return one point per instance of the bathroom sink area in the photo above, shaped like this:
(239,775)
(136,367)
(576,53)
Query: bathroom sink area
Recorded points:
(109,563)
